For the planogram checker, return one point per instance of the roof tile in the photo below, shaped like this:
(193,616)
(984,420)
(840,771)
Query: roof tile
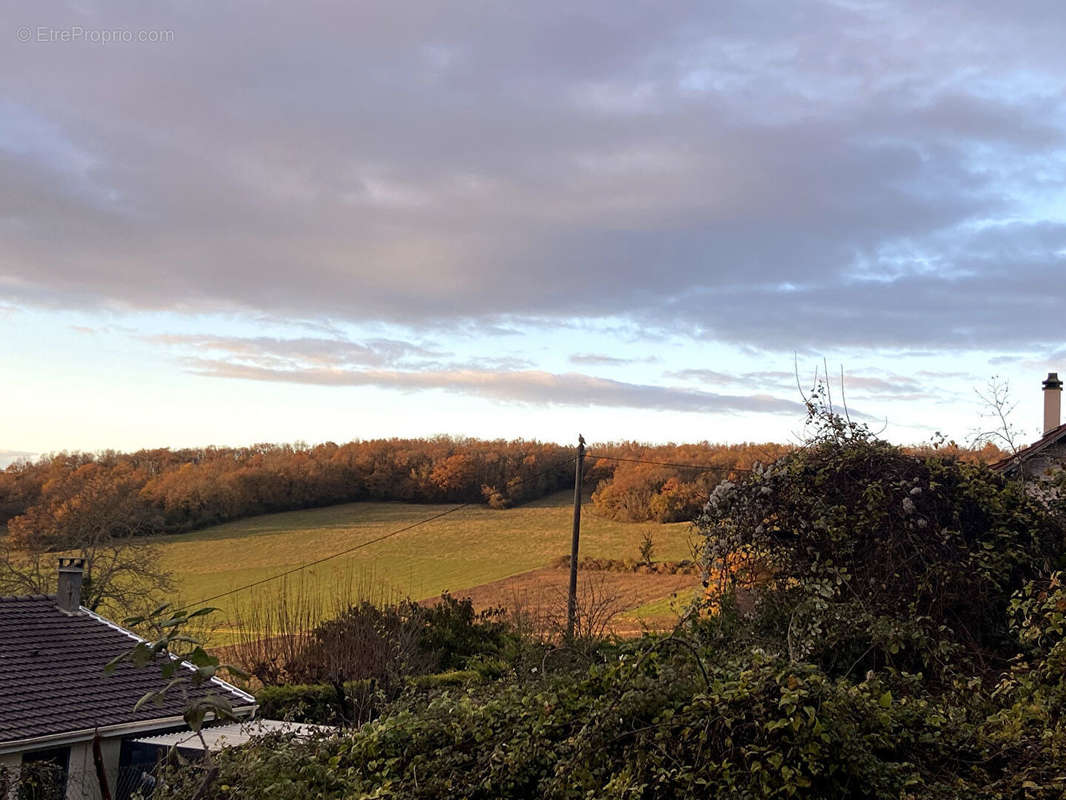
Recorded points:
(52,677)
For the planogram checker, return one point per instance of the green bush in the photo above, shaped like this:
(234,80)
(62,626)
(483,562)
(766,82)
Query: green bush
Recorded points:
(658,721)
(390,643)
(1027,733)
(351,703)
(356,701)
(441,680)
(691,715)
(453,632)
(863,556)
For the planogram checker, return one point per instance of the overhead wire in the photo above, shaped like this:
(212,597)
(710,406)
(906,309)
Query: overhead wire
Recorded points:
(368,542)
(434,517)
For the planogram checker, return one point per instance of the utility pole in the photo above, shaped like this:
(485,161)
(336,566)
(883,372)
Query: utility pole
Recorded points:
(571,605)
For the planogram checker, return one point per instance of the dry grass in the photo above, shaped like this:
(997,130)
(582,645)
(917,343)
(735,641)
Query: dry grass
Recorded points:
(540,597)
(267,626)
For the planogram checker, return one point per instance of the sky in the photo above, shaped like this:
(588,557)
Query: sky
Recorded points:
(252,222)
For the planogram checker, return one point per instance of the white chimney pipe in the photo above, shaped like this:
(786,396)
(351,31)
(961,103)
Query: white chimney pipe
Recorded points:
(1052,402)
(68,597)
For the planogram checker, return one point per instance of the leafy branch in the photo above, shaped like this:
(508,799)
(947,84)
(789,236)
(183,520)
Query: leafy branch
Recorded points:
(183,663)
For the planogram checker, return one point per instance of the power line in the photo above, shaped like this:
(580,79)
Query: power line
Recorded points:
(703,467)
(361,545)
(434,517)
(330,557)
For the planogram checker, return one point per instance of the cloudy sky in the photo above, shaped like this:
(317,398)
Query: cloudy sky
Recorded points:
(229,223)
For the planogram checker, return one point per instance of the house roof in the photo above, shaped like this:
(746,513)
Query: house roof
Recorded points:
(52,678)
(1048,439)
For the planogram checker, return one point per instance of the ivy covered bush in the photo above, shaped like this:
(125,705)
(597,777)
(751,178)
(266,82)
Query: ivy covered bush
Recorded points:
(863,556)
(663,721)
(650,723)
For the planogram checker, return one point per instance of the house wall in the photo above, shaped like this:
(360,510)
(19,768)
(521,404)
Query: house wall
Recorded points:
(82,783)
(11,763)
(1050,458)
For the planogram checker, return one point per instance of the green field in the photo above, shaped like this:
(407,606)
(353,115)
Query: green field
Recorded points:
(470,547)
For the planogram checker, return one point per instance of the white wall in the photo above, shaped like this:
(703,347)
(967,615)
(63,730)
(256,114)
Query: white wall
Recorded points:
(82,783)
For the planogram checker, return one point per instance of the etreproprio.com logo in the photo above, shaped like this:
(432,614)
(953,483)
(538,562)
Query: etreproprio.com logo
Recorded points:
(48,34)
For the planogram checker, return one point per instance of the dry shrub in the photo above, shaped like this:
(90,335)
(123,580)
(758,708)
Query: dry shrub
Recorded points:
(588,564)
(273,625)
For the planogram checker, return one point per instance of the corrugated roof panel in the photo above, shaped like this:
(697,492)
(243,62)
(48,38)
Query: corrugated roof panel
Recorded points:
(233,735)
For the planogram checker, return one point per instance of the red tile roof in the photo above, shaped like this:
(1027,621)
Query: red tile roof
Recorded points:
(52,678)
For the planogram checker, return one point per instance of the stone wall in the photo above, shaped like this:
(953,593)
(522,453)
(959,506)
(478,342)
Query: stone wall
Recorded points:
(1053,457)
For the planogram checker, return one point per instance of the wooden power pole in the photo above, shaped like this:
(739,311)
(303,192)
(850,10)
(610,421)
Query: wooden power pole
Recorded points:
(571,605)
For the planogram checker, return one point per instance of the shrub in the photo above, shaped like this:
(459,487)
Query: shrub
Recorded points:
(657,721)
(647,548)
(440,680)
(863,553)
(454,632)
(1026,736)
(297,702)
(32,780)
(354,702)
(389,643)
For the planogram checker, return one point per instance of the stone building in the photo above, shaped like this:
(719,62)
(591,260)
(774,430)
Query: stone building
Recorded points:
(1049,452)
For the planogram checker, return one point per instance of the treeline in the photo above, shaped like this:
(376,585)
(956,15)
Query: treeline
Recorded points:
(639,491)
(81,497)
(76,496)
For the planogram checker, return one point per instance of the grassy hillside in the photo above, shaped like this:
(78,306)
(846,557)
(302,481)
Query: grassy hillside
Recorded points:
(471,547)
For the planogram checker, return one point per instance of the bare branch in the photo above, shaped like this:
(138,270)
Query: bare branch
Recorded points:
(998,407)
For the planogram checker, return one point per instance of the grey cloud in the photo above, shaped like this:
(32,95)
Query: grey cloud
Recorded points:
(1040,363)
(770,378)
(876,397)
(896,385)
(1057,356)
(1008,303)
(307,350)
(762,379)
(333,353)
(330,362)
(874,386)
(529,386)
(789,180)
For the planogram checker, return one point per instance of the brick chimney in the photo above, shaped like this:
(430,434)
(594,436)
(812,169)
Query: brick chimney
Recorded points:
(1052,402)
(68,597)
